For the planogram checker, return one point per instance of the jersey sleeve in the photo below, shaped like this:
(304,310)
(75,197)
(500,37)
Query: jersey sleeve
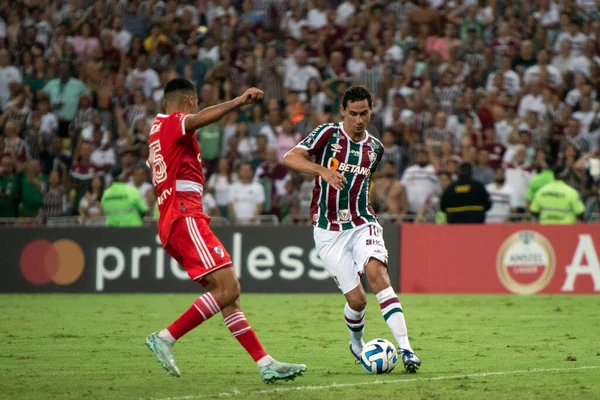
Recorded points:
(317,139)
(178,124)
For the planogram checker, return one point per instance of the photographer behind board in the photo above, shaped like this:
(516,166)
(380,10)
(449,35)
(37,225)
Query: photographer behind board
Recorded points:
(466,200)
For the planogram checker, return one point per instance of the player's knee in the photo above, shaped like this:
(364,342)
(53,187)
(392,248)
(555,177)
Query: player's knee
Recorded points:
(229,293)
(357,303)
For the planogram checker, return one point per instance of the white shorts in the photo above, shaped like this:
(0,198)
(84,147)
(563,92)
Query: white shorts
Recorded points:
(345,253)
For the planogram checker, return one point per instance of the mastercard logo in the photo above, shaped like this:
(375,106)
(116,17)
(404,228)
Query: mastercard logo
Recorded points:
(60,262)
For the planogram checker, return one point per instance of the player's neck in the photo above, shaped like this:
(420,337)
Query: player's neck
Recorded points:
(357,137)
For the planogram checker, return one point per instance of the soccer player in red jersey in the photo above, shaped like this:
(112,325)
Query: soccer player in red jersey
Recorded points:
(184,232)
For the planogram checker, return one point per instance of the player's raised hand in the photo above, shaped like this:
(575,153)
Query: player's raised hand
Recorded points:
(251,95)
(334,178)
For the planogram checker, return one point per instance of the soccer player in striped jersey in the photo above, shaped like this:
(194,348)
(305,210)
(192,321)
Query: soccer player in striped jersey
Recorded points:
(347,236)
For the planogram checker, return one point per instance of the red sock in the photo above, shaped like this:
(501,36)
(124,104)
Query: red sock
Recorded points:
(241,330)
(201,310)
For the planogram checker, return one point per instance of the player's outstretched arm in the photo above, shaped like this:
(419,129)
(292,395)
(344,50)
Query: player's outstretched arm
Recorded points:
(215,113)
(297,159)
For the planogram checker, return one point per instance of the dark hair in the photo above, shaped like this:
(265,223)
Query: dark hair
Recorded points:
(465,170)
(356,93)
(179,85)
(116,172)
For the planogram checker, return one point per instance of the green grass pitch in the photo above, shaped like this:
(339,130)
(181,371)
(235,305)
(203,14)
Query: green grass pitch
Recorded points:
(472,347)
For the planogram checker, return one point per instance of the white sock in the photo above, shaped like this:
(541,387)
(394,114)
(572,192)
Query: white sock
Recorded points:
(266,360)
(166,336)
(355,320)
(391,309)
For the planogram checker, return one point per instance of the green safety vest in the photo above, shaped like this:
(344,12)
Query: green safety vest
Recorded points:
(123,206)
(557,203)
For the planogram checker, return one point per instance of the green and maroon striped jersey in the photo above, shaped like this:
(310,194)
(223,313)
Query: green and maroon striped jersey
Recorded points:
(332,148)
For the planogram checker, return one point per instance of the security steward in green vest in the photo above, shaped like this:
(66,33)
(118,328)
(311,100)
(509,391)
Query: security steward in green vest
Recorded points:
(122,204)
(466,200)
(557,202)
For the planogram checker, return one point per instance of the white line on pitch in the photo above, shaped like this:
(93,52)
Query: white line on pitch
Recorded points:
(378,382)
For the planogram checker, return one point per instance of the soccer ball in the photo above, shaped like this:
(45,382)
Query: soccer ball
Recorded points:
(379,356)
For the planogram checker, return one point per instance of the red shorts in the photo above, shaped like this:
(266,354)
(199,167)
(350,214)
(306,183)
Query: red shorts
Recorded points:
(195,247)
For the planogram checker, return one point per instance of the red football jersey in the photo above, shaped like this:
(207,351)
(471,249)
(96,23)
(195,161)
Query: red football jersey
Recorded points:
(176,165)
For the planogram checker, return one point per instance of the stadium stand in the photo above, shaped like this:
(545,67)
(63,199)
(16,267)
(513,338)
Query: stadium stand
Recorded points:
(497,83)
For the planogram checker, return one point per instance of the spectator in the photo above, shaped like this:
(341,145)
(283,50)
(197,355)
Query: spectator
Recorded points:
(272,175)
(297,77)
(219,183)
(518,174)
(209,205)
(16,110)
(503,199)
(143,77)
(82,171)
(209,136)
(287,139)
(32,186)
(85,44)
(424,14)
(482,171)
(466,200)
(54,203)
(89,207)
(430,212)
(372,76)
(419,181)
(64,93)
(13,144)
(8,187)
(246,197)
(9,76)
(49,123)
(260,154)
(121,37)
(122,204)
(146,190)
(289,202)
(387,193)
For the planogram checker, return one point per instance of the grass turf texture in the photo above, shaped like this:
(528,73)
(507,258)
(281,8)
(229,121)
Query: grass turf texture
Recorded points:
(92,346)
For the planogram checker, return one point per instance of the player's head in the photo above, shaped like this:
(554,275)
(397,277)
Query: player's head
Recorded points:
(356,109)
(180,95)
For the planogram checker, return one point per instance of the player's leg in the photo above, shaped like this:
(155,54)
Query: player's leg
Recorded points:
(369,249)
(337,259)
(269,368)
(187,245)
(354,314)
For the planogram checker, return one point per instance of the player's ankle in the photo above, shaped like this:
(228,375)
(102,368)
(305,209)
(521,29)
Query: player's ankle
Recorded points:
(265,361)
(166,336)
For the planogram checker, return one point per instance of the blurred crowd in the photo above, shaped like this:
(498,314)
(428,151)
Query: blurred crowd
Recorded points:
(510,86)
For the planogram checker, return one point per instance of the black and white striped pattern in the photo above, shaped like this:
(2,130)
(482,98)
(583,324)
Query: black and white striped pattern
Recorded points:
(445,96)
(372,79)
